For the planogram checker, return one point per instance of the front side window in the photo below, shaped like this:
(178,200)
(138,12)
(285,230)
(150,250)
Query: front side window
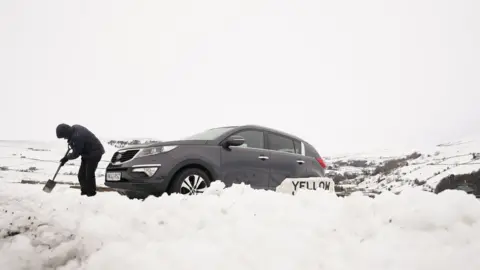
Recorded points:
(253,138)
(280,143)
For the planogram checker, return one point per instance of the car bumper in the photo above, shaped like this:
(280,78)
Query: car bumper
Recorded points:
(134,180)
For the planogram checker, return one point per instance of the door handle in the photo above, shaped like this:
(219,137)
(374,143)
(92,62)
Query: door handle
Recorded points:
(263,157)
(300,161)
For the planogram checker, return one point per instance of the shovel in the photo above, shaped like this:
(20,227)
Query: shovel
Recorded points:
(51,183)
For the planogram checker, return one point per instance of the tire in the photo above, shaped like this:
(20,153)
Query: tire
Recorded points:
(190,181)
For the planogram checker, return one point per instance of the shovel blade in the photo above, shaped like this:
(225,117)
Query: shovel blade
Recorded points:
(49,186)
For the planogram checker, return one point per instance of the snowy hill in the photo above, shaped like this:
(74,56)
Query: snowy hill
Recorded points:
(129,142)
(397,171)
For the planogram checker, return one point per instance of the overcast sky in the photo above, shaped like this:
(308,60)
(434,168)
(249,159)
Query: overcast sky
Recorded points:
(346,75)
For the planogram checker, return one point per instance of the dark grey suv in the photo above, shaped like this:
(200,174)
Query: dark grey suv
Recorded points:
(258,156)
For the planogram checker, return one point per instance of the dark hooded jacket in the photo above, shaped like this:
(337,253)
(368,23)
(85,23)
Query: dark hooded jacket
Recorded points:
(82,141)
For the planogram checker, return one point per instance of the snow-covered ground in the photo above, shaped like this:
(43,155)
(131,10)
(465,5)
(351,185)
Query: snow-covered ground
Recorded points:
(38,161)
(238,228)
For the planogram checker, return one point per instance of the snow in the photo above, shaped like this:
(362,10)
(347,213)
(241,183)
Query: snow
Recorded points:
(237,228)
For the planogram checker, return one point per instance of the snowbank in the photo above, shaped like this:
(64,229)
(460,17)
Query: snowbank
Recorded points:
(237,228)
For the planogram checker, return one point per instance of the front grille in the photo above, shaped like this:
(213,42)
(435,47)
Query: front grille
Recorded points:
(124,156)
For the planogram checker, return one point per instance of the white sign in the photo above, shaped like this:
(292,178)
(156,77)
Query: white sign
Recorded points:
(292,185)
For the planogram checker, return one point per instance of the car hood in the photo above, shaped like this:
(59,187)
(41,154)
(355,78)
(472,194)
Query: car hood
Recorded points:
(179,142)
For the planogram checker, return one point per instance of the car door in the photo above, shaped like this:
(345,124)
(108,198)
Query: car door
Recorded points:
(286,160)
(248,163)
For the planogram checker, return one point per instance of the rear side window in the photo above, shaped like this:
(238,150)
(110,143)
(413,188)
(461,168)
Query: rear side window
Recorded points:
(253,138)
(280,143)
(298,147)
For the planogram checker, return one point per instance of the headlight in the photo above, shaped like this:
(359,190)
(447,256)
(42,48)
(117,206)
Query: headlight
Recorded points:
(155,150)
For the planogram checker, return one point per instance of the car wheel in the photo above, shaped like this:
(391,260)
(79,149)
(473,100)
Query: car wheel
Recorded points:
(190,181)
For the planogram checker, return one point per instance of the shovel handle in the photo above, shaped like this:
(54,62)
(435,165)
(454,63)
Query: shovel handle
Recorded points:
(59,166)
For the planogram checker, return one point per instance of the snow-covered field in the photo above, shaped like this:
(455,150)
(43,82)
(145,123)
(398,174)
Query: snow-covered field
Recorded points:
(238,228)
(38,161)
(235,228)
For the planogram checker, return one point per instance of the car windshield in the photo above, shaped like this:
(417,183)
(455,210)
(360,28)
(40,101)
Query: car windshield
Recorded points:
(210,134)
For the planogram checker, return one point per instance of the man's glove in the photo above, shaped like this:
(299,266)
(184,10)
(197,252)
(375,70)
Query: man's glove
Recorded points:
(63,161)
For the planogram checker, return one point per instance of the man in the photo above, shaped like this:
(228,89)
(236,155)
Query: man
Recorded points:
(83,143)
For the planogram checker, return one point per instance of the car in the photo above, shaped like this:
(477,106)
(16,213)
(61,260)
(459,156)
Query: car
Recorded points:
(255,155)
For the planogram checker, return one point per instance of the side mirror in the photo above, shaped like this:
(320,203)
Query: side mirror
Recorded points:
(234,141)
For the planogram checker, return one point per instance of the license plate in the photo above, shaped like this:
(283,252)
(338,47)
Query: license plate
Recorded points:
(114,176)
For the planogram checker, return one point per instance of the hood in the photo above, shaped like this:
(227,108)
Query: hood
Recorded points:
(64,131)
(180,142)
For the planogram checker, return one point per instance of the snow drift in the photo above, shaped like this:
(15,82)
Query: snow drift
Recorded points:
(238,228)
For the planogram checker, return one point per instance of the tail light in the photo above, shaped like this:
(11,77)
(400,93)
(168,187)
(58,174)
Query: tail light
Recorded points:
(321,162)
